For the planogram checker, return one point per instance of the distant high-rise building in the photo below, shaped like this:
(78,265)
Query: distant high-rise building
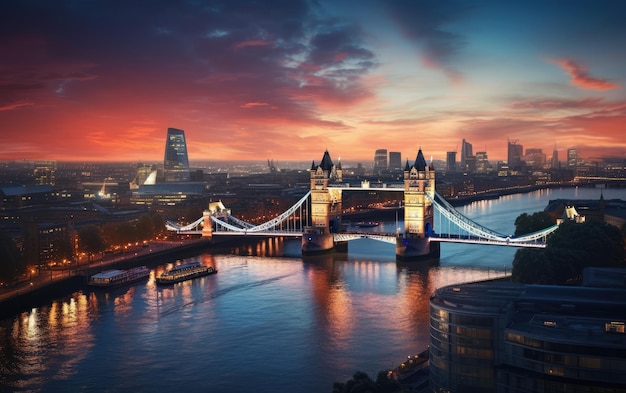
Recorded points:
(44,172)
(554,162)
(572,159)
(482,163)
(514,156)
(395,160)
(470,164)
(380,159)
(451,161)
(535,158)
(176,164)
(466,151)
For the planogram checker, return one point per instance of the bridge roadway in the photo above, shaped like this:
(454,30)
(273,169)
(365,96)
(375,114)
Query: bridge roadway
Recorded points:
(384,237)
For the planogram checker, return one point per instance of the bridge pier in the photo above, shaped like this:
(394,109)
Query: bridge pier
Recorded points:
(315,243)
(416,248)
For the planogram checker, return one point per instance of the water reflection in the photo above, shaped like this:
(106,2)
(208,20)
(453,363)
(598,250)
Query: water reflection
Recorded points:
(303,322)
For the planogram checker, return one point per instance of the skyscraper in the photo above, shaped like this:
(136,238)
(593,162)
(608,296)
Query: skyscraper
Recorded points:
(176,164)
(466,151)
(395,160)
(572,159)
(554,163)
(515,152)
(380,160)
(451,161)
(482,163)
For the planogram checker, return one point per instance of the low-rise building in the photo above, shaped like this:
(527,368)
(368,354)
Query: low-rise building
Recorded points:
(498,336)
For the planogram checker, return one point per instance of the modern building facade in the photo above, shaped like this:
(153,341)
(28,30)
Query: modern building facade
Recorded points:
(176,163)
(498,336)
(483,166)
(380,160)
(395,161)
(514,154)
(451,161)
(572,159)
(554,162)
(466,151)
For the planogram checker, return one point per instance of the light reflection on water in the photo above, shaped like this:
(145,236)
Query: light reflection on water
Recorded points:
(262,324)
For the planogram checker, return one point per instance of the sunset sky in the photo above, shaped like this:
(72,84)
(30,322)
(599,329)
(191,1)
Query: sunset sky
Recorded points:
(102,80)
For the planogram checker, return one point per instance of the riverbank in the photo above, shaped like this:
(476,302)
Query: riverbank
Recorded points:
(41,289)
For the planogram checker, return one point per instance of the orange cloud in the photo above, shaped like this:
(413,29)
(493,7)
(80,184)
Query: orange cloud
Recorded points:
(254,104)
(582,78)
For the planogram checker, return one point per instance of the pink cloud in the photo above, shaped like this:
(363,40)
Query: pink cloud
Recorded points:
(254,104)
(15,105)
(582,78)
(244,44)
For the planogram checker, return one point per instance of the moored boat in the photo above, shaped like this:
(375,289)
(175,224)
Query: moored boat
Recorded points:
(115,277)
(185,271)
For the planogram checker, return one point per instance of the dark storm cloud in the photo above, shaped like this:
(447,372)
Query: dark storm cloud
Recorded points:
(427,24)
(277,49)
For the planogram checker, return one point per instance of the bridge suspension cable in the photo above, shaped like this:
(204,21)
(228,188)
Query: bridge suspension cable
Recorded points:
(267,226)
(171,226)
(473,228)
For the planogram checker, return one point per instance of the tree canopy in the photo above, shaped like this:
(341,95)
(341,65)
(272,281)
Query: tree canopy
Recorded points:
(525,223)
(362,383)
(90,240)
(11,263)
(571,248)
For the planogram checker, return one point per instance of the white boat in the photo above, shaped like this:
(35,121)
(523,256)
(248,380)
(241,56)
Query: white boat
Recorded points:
(185,271)
(115,277)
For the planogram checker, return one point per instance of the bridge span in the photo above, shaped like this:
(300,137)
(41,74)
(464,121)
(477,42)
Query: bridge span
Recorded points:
(316,217)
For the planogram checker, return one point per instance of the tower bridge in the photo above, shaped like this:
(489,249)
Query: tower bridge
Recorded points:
(317,217)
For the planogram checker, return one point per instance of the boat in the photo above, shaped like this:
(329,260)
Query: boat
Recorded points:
(368,224)
(115,277)
(185,271)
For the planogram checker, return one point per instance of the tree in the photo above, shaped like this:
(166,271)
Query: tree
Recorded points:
(600,244)
(362,383)
(571,248)
(11,262)
(525,224)
(158,224)
(144,227)
(90,240)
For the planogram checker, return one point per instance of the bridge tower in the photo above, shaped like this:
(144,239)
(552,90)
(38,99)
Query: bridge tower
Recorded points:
(207,224)
(216,209)
(325,208)
(419,180)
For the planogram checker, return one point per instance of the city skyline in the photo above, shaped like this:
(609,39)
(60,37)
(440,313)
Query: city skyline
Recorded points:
(102,82)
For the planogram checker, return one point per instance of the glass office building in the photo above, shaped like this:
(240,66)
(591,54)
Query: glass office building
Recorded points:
(176,164)
(503,337)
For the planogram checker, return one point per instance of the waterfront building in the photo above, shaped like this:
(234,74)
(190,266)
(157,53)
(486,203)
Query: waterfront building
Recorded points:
(498,336)
(176,163)
(380,160)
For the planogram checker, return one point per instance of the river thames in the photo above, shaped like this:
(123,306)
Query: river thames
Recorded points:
(269,321)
